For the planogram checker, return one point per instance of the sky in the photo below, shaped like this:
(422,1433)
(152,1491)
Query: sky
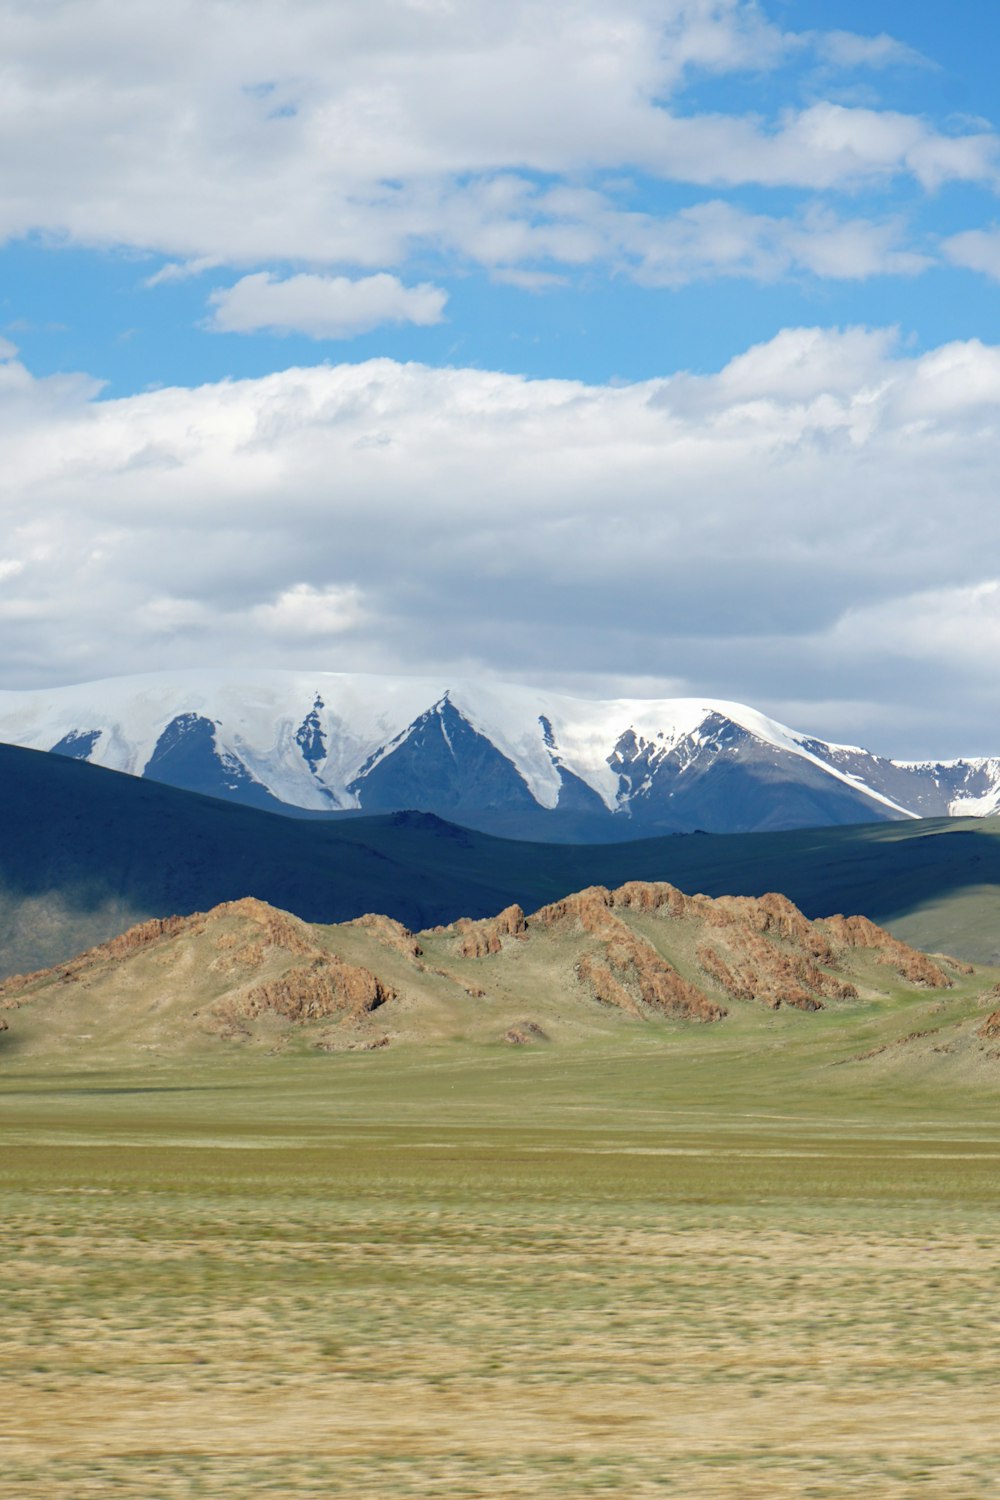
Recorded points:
(621,347)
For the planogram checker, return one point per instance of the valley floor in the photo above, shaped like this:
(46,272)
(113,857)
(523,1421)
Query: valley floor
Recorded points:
(461,1272)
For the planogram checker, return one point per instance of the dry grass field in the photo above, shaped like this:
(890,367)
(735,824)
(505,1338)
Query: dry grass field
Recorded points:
(690,1263)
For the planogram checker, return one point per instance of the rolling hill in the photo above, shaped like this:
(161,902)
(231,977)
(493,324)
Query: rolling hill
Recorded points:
(593,965)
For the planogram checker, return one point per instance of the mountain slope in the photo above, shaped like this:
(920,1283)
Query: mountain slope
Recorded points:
(499,758)
(245,972)
(111,850)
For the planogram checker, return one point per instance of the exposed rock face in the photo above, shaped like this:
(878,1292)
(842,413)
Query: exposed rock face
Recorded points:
(990,1029)
(479,939)
(629,959)
(589,907)
(758,969)
(766,976)
(262,930)
(658,982)
(606,988)
(309,992)
(762,948)
(910,964)
(391,933)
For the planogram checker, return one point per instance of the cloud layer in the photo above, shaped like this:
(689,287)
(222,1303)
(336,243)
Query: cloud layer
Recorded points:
(328,134)
(797,530)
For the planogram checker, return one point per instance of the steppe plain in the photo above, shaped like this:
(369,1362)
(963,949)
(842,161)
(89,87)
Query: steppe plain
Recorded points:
(753,1259)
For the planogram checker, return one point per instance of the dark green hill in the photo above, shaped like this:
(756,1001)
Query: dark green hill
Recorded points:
(85,852)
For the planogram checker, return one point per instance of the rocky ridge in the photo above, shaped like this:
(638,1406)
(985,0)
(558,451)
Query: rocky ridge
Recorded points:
(247,972)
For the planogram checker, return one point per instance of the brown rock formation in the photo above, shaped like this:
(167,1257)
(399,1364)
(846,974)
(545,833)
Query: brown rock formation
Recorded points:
(480,939)
(390,933)
(658,982)
(629,959)
(990,1029)
(527,1031)
(606,988)
(909,963)
(760,969)
(308,992)
(588,907)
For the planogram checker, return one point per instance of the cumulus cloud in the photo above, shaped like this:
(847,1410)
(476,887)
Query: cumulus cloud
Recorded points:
(338,135)
(324,307)
(765,532)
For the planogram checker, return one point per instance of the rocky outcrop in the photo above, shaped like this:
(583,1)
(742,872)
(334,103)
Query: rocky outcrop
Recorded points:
(990,1029)
(762,971)
(631,968)
(604,986)
(659,984)
(770,951)
(309,992)
(644,949)
(390,933)
(480,939)
(588,907)
(909,963)
(525,1033)
(236,942)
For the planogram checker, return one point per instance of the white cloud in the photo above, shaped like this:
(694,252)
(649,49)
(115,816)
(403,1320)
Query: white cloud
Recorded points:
(324,307)
(976,249)
(765,532)
(715,239)
(957,627)
(332,134)
(302,612)
(520,230)
(846,49)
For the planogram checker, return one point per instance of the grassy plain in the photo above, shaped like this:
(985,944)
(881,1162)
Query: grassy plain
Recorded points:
(664,1261)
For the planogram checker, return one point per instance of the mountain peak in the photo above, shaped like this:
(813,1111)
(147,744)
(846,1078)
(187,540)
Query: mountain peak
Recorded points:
(500,757)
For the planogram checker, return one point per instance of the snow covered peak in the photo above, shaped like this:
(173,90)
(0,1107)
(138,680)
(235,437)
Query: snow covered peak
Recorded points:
(337,740)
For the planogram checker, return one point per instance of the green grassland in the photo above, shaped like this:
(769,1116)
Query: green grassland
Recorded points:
(656,1259)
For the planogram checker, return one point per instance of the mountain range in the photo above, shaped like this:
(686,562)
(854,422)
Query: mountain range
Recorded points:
(88,852)
(502,759)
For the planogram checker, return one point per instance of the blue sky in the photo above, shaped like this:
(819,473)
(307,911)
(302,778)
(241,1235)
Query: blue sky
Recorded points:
(79,298)
(647,347)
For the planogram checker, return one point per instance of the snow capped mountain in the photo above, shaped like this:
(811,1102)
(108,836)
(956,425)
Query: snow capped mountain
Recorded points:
(497,757)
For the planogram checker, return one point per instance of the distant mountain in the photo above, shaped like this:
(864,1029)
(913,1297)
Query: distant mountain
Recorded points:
(501,759)
(86,853)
